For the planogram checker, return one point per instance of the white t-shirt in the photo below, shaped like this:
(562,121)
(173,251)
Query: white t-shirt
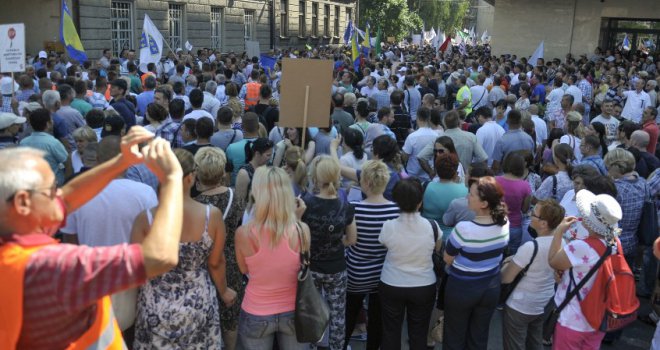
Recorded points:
(574,142)
(582,257)
(107,219)
(611,127)
(576,92)
(477,92)
(488,135)
(414,144)
(368,92)
(349,160)
(197,114)
(554,99)
(635,104)
(575,231)
(541,129)
(76,161)
(409,242)
(537,287)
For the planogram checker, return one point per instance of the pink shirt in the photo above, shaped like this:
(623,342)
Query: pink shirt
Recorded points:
(273,279)
(515,192)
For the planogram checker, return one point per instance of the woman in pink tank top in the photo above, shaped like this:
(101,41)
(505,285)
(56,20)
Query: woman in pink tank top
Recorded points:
(267,250)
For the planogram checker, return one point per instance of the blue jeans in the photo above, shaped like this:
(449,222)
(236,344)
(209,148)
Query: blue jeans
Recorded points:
(258,332)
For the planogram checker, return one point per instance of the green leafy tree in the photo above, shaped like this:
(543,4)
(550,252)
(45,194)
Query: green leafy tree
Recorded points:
(393,16)
(444,15)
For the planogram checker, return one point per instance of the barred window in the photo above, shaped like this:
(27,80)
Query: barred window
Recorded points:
(248,25)
(216,27)
(121,18)
(175,21)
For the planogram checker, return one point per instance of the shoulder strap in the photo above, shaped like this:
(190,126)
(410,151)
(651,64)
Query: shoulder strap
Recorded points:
(232,137)
(206,221)
(536,250)
(435,230)
(480,98)
(554,187)
(586,278)
(231,200)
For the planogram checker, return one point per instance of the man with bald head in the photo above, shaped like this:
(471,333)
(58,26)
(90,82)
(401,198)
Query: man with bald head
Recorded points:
(73,310)
(645,162)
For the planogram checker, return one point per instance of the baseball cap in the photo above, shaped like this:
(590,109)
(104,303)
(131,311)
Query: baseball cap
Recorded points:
(120,83)
(43,54)
(32,106)
(5,85)
(113,125)
(9,119)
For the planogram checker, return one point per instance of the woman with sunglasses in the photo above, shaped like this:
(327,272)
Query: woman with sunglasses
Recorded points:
(442,145)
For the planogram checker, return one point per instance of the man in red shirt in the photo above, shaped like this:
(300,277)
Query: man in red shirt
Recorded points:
(649,125)
(62,283)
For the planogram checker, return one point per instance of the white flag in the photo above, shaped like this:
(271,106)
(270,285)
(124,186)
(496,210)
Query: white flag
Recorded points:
(151,44)
(538,53)
(484,36)
(189,46)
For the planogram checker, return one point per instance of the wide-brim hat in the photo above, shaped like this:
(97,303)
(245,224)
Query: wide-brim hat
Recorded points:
(600,213)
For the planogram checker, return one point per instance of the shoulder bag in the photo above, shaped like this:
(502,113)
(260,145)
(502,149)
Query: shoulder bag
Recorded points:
(312,313)
(508,288)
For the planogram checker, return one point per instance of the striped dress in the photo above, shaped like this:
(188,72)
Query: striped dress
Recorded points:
(365,259)
(477,249)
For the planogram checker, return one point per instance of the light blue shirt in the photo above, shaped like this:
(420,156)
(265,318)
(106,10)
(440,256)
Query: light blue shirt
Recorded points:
(143,100)
(55,153)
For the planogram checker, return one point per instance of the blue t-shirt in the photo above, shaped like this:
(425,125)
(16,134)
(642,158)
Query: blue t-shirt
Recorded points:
(437,197)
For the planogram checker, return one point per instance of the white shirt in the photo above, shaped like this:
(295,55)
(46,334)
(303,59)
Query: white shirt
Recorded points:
(414,144)
(611,127)
(554,99)
(211,104)
(574,142)
(220,94)
(479,96)
(488,135)
(541,129)
(366,91)
(349,160)
(198,113)
(576,93)
(575,231)
(534,291)
(409,241)
(107,219)
(635,104)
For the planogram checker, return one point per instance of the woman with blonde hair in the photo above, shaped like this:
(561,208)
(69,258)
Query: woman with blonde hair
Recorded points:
(179,309)
(268,249)
(574,133)
(332,225)
(294,165)
(83,136)
(211,179)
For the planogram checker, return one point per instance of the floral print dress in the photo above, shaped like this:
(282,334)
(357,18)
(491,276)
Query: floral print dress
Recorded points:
(179,309)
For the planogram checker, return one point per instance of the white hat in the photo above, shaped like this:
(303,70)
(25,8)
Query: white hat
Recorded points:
(5,86)
(9,119)
(43,54)
(600,213)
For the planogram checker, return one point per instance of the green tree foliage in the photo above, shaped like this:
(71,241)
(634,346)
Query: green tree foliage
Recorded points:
(394,17)
(445,15)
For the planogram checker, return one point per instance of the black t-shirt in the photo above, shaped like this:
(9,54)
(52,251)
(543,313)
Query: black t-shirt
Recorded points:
(270,117)
(327,220)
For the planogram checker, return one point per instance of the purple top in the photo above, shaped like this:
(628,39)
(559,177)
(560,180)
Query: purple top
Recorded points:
(515,192)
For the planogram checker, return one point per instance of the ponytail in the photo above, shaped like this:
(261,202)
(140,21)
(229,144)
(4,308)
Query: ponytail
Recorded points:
(293,160)
(260,145)
(499,213)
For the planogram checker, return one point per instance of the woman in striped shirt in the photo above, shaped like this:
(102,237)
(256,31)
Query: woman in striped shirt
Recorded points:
(473,253)
(364,260)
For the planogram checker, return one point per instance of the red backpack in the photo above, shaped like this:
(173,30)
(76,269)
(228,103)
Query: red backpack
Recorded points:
(611,303)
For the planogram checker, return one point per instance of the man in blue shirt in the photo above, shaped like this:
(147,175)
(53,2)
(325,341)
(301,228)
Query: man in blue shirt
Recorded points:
(589,147)
(125,109)
(515,139)
(54,151)
(147,96)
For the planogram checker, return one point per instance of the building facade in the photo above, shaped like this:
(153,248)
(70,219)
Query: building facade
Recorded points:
(217,24)
(575,26)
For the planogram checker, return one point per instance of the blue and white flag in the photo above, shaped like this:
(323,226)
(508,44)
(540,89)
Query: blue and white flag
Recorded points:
(267,62)
(626,43)
(348,33)
(151,44)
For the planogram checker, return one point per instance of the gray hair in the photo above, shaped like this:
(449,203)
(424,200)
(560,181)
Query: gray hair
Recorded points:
(191,80)
(621,158)
(220,78)
(653,83)
(15,175)
(211,86)
(50,98)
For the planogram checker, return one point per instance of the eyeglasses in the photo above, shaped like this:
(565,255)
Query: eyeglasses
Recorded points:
(535,216)
(52,192)
(439,151)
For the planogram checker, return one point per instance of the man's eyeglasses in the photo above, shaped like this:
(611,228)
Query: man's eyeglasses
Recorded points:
(52,192)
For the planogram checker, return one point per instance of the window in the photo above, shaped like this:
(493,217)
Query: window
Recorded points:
(337,11)
(175,21)
(301,19)
(121,26)
(326,21)
(315,19)
(248,25)
(284,18)
(216,27)
(349,14)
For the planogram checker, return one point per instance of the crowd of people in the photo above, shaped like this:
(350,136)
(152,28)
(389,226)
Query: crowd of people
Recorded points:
(183,205)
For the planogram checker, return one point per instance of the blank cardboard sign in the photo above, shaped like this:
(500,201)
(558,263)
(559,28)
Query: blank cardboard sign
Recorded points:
(296,75)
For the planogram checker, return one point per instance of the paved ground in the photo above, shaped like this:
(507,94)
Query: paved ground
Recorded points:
(636,337)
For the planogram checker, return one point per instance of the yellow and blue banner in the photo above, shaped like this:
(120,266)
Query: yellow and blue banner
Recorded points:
(355,52)
(366,43)
(69,36)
